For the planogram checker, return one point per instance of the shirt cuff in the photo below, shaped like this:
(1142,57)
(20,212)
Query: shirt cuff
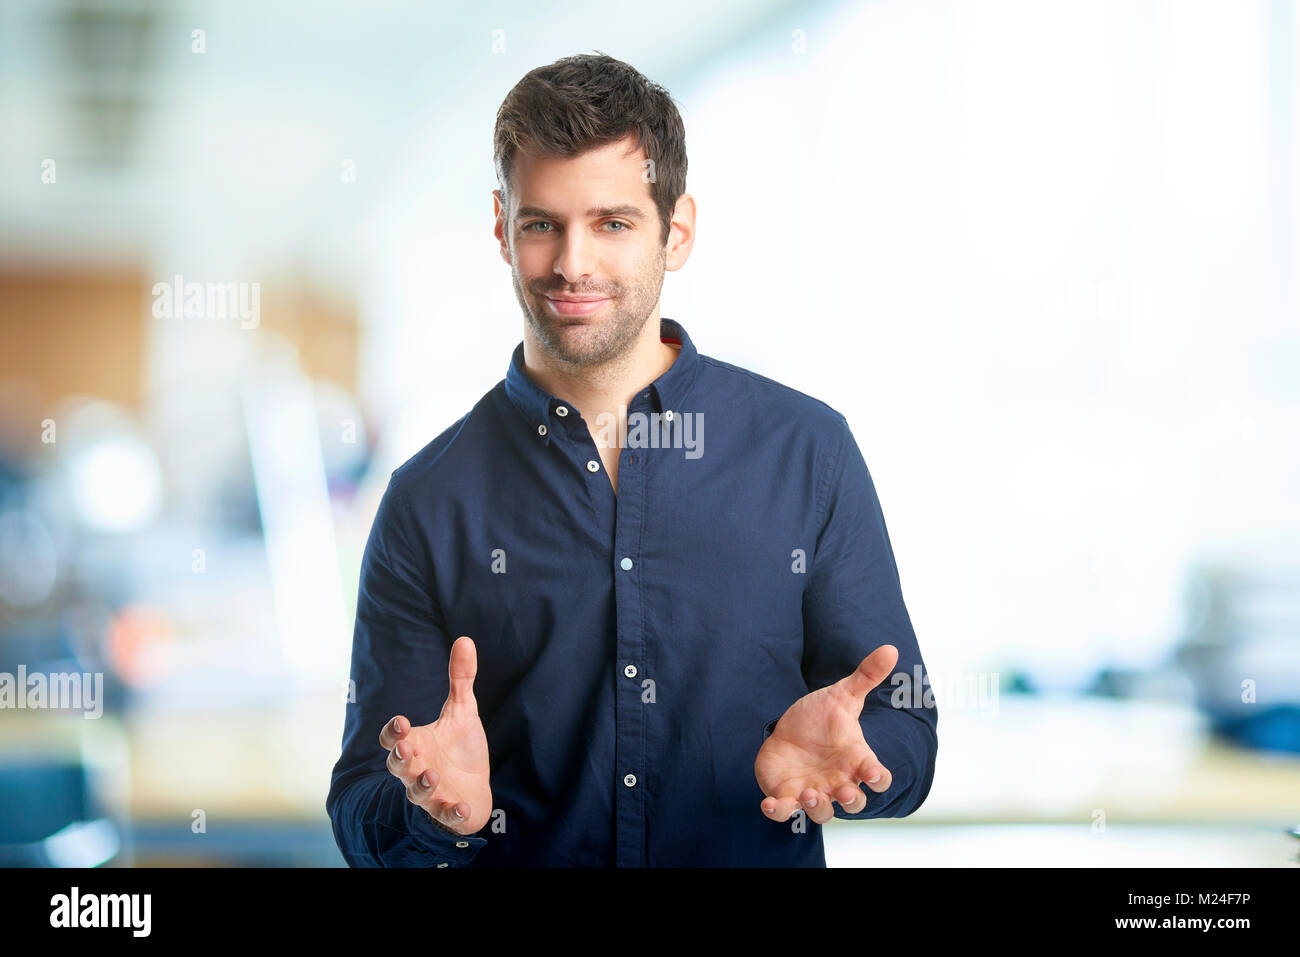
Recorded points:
(435,845)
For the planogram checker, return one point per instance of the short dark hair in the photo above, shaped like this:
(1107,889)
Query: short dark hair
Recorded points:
(587,101)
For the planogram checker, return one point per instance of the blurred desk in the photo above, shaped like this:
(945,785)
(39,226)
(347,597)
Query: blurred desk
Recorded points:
(910,843)
(1073,760)
(1086,782)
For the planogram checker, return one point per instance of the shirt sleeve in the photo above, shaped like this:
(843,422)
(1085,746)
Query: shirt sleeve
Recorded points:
(400,654)
(852,605)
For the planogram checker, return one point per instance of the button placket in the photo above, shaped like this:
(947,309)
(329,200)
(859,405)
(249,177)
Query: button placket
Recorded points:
(632,717)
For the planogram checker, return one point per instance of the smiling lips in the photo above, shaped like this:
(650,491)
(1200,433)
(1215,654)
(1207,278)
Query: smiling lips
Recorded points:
(576,307)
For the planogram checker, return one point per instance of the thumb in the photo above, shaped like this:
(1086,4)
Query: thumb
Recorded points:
(461,670)
(871,671)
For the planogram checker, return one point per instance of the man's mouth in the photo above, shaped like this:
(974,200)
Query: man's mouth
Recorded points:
(583,306)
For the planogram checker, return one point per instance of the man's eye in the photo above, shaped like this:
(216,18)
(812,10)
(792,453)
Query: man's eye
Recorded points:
(528,227)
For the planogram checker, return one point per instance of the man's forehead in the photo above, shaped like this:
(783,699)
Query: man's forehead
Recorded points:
(608,181)
(619,162)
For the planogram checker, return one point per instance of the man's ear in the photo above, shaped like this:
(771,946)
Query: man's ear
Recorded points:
(681,233)
(501,225)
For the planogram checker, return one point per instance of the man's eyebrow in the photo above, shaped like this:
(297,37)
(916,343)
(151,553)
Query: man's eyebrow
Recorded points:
(596,212)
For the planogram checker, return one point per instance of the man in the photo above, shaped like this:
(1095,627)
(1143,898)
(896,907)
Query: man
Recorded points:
(584,636)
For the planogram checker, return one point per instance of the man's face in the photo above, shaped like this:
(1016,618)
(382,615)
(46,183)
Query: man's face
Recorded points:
(584,227)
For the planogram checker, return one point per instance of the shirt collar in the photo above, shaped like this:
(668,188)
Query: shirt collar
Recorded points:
(667,392)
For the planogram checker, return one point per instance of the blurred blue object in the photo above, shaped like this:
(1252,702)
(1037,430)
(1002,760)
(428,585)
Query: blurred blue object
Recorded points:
(1272,729)
(48,819)
(1241,649)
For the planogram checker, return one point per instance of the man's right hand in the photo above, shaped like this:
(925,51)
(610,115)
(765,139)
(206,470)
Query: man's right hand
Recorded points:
(444,765)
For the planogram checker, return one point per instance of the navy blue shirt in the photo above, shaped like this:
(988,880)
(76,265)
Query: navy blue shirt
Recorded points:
(634,649)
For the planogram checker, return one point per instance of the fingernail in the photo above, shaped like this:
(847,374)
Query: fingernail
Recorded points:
(424,779)
(459,816)
(812,802)
(873,780)
(398,751)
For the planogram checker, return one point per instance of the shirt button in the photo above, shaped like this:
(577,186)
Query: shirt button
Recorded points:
(630,671)
(462,843)
(630,780)
(541,430)
(668,415)
(443,864)
(561,410)
(593,466)
(625,564)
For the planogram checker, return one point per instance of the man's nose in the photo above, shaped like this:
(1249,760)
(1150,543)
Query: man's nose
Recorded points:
(576,257)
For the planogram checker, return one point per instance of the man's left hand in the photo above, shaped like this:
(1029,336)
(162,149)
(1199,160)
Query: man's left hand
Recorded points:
(817,752)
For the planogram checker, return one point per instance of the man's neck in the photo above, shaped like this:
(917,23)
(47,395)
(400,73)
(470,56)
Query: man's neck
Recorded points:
(610,388)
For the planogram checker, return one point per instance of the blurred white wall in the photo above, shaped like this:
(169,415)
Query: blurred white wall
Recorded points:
(1043,257)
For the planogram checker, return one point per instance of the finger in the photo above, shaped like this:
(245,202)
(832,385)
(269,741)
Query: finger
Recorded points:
(871,671)
(461,670)
(816,805)
(455,814)
(401,761)
(874,774)
(423,791)
(851,798)
(779,809)
(393,732)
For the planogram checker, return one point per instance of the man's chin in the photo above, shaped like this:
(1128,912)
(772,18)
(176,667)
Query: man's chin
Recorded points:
(566,341)
(581,340)
(566,329)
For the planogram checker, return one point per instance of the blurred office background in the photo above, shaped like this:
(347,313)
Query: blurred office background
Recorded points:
(1043,255)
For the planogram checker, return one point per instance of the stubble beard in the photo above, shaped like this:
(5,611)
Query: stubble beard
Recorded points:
(599,341)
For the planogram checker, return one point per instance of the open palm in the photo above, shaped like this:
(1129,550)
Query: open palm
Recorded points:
(817,752)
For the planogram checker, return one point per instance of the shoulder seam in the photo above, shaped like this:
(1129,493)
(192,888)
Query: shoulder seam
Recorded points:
(830,472)
(452,432)
(405,513)
(758,377)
